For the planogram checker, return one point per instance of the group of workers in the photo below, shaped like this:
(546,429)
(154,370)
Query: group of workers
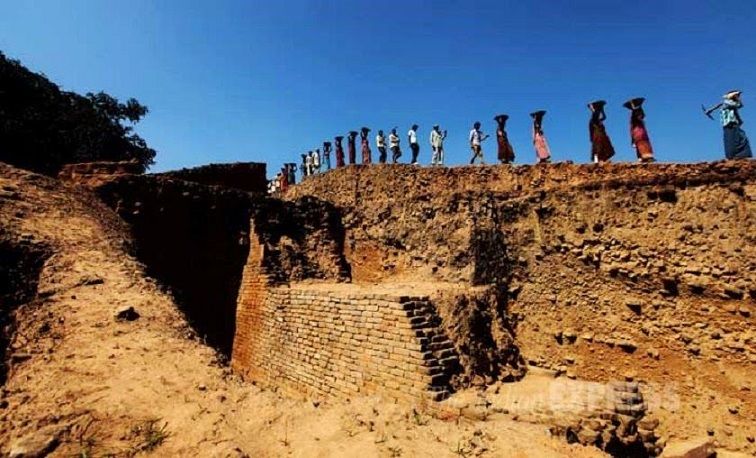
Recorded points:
(735,141)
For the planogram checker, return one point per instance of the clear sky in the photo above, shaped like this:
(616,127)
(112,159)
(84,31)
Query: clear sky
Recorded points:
(266,80)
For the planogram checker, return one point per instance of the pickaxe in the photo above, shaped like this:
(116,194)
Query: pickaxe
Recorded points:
(711,110)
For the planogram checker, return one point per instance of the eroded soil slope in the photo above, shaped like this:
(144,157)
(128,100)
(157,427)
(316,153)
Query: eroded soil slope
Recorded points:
(86,380)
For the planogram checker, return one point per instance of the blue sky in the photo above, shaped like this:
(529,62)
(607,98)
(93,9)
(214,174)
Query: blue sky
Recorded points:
(266,80)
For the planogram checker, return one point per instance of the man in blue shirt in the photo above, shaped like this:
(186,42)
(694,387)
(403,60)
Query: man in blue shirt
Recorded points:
(735,141)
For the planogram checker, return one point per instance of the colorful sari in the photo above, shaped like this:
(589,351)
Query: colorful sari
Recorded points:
(601,146)
(642,143)
(541,146)
(366,153)
(506,152)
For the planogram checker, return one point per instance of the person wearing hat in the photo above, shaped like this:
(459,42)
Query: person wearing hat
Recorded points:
(380,143)
(327,155)
(735,141)
(414,145)
(476,138)
(351,148)
(366,153)
(601,145)
(506,153)
(339,151)
(396,152)
(437,145)
(638,133)
(543,153)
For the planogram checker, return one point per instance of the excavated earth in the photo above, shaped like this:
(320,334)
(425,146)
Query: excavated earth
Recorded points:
(606,273)
(86,376)
(558,285)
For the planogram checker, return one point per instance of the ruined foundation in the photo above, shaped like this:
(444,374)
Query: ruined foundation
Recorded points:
(420,284)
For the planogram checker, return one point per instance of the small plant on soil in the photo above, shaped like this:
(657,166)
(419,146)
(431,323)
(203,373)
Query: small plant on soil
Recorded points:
(151,435)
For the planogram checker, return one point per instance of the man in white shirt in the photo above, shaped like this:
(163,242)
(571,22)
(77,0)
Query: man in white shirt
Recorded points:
(437,145)
(396,152)
(308,164)
(414,145)
(476,137)
(380,143)
(316,161)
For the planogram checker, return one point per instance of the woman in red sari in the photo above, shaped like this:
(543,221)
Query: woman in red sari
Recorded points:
(339,152)
(366,153)
(638,133)
(601,146)
(506,152)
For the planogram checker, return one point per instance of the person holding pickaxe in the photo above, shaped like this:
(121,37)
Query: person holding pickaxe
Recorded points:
(736,143)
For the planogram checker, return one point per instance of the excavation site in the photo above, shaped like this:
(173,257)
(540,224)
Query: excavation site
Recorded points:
(387,310)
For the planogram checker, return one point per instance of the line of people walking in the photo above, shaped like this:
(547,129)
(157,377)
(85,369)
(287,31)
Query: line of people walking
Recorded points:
(314,162)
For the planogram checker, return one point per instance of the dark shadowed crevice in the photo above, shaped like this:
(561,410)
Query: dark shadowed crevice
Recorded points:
(193,239)
(20,267)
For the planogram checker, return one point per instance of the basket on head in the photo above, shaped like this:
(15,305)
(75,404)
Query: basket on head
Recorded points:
(597,105)
(538,114)
(634,104)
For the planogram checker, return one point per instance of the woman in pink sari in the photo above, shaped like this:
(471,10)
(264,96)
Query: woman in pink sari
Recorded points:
(638,133)
(539,138)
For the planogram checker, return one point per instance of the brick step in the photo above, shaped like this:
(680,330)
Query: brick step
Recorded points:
(421,325)
(438,386)
(434,370)
(438,395)
(452,360)
(436,346)
(446,353)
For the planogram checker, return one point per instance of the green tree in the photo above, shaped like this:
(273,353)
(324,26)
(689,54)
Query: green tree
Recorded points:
(42,128)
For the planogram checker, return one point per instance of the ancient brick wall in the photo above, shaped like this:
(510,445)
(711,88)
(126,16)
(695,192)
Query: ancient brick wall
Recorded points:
(246,176)
(252,296)
(339,340)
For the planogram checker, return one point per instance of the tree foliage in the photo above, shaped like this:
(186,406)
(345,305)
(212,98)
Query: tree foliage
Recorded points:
(42,127)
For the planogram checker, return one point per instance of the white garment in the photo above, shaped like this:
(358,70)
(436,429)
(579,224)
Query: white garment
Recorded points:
(412,136)
(475,135)
(316,159)
(393,140)
(436,138)
(380,141)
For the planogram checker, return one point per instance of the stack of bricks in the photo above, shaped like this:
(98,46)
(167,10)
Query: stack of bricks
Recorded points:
(338,342)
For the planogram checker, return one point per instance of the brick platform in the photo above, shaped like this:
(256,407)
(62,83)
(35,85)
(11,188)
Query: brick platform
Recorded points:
(338,339)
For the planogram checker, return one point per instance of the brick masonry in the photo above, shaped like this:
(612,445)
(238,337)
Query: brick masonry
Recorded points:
(338,340)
